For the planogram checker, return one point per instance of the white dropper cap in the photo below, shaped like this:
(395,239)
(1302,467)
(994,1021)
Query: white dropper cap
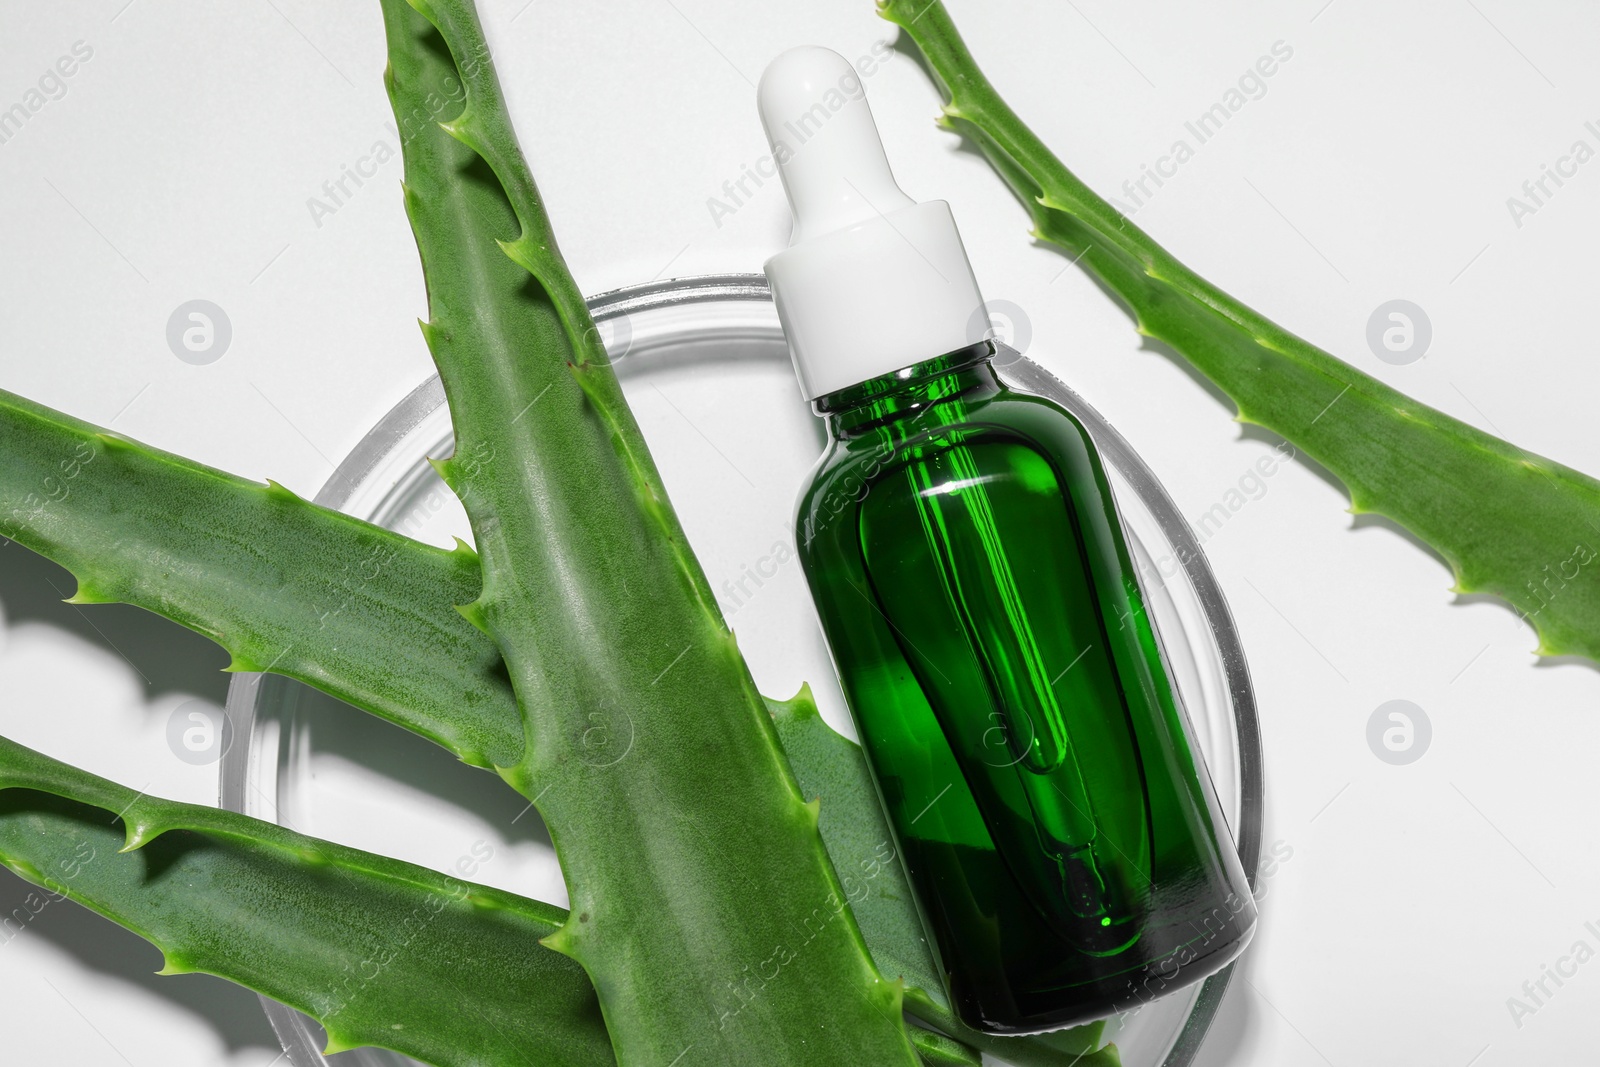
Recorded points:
(872,281)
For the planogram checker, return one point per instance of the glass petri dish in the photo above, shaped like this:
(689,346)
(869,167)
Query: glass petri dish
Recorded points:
(705,366)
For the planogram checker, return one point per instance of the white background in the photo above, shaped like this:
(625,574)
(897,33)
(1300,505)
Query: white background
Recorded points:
(179,164)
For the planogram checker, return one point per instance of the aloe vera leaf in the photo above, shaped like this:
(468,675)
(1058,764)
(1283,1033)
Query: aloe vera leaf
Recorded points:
(833,769)
(692,864)
(280,583)
(1508,523)
(381,952)
(937,1050)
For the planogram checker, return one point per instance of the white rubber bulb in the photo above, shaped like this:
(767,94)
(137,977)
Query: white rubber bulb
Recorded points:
(827,148)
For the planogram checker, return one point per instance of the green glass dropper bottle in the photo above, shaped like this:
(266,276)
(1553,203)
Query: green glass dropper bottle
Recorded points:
(970,570)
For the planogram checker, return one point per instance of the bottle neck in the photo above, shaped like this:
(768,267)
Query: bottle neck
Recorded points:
(912,394)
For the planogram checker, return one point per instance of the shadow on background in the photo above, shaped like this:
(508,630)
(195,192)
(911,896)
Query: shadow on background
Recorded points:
(169,659)
(165,655)
(338,729)
(233,1012)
